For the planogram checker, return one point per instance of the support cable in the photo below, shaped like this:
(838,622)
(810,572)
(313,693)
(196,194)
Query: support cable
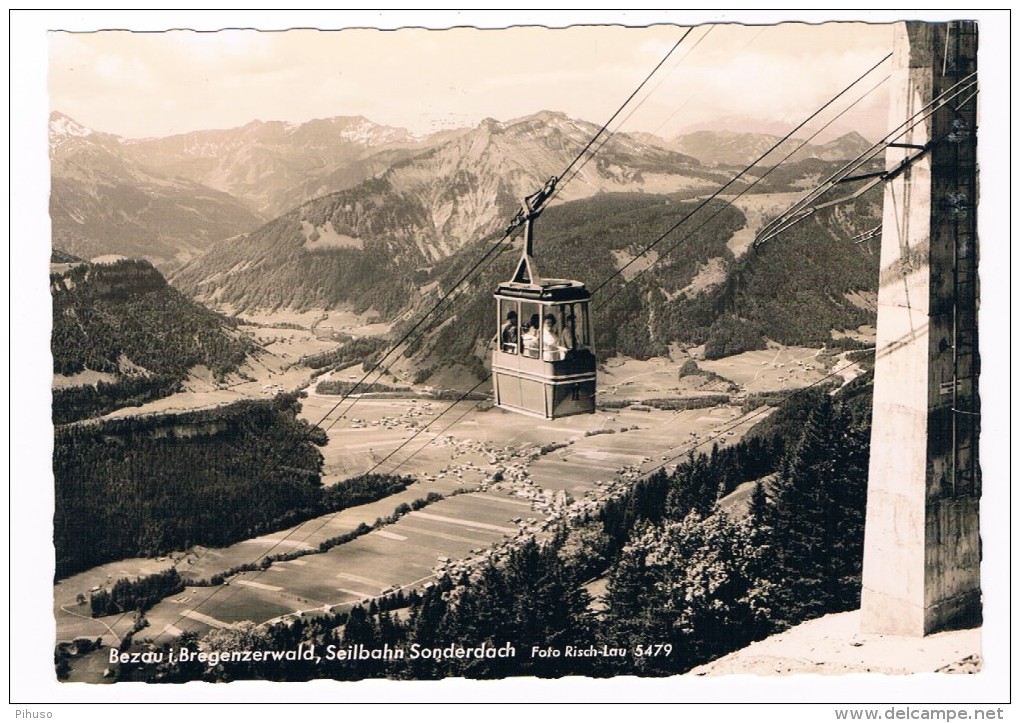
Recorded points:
(603,283)
(743,191)
(464,396)
(744,171)
(803,208)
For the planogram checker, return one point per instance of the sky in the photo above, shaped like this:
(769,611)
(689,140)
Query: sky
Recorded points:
(734,76)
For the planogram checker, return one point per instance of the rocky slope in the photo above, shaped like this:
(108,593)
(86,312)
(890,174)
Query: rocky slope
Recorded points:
(275,166)
(367,245)
(104,202)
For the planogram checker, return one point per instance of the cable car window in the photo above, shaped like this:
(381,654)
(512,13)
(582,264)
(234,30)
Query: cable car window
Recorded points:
(573,327)
(509,330)
(568,327)
(583,320)
(552,348)
(531,330)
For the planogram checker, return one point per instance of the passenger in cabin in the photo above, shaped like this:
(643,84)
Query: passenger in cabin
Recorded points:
(529,335)
(552,350)
(568,337)
(508,334)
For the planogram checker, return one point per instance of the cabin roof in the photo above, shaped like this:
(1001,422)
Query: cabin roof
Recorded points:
(545,290)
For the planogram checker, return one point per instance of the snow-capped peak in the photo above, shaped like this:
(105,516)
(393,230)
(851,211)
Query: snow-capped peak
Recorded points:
(61,125)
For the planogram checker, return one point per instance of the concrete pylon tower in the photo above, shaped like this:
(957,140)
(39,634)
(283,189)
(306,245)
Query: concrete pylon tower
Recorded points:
(922,546)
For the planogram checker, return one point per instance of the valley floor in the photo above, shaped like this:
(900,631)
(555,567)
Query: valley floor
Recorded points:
(476,520)
(498,486)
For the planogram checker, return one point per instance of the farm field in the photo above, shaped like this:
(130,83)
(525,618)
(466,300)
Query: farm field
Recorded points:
(502,476)
(316,320)
(778,367)
(624,378)
(463,527)
(74,621)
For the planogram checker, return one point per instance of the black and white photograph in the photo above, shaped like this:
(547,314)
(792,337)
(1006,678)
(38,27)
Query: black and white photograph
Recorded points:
(603,356)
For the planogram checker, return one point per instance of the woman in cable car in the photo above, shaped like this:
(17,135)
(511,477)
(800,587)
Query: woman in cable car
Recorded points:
(549,370)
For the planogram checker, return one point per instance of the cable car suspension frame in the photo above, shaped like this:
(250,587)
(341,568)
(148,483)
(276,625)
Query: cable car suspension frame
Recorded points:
(807,205)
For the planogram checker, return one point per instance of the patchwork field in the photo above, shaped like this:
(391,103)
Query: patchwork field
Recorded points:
(477,517)
(502,476)
(778,367)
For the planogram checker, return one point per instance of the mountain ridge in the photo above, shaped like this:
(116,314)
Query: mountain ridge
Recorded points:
(723,147)
(423,209)
(273,165)
(102,202)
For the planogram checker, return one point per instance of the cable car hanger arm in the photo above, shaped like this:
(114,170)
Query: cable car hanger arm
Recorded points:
(533,205)
(801,209)
(795,216)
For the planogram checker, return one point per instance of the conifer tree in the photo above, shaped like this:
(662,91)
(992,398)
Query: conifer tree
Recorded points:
(817,514)
(758,507)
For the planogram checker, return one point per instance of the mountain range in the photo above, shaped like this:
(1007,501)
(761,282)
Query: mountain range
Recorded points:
(103,201)
(377,219)
(274,166)
(729,148)
(368,244)
(168,199)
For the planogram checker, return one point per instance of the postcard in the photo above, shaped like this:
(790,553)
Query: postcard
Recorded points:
(577,357)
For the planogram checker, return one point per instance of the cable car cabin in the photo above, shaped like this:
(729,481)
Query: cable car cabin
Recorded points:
(543,359)
(543,363)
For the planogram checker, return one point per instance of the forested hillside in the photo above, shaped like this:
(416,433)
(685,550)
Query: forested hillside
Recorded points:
(794,291)
(145,486)
(122,318)
(309,259)
(587,240)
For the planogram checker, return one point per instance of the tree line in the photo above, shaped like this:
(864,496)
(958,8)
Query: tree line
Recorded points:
(124,319)
(139,594)
(71,404)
